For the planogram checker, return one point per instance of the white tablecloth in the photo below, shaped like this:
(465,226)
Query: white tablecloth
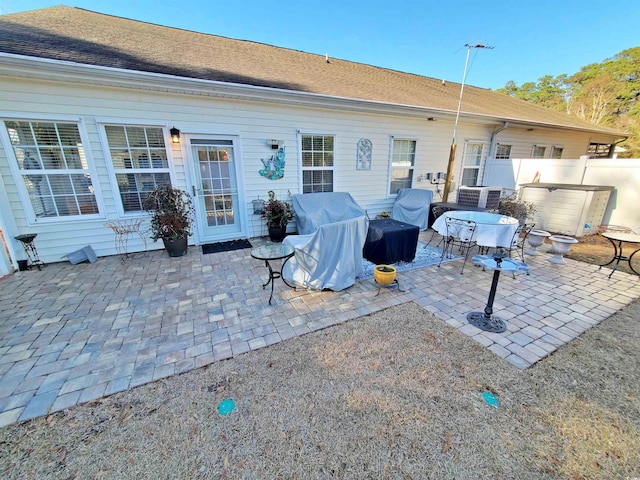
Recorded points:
(493,229)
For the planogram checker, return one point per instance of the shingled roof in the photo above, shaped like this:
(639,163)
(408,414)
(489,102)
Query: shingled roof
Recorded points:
(86,37)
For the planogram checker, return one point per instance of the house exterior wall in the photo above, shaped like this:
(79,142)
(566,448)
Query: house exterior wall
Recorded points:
(509,172)
(252,123)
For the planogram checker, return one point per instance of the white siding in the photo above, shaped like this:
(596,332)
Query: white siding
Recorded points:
(253,123)
(509,173)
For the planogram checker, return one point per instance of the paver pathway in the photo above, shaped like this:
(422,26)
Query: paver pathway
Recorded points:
(73,333)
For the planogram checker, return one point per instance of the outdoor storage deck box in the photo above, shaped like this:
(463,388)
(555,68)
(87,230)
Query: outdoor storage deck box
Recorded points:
(567,209)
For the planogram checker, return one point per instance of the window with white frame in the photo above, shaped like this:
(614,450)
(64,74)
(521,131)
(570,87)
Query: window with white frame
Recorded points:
(600,150)
(556,151)
(53,166)
(139,159)
(317,163)
(538,151)
(503,152)
(471,163)
(403,160)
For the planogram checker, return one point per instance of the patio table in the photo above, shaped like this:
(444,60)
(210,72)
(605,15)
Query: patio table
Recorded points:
(270,252)
(620,238)
(492,230)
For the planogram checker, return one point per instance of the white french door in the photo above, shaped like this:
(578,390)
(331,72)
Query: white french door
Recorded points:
(216,193)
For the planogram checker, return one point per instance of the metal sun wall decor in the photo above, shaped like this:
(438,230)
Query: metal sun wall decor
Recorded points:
(274,167)
(363,160)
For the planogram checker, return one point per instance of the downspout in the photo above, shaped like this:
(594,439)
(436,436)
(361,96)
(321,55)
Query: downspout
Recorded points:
(493,145)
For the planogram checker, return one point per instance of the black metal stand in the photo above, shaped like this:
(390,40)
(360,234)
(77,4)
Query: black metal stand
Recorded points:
(273,274)
(393,284)
(30,250)
(486,320)
(617,257)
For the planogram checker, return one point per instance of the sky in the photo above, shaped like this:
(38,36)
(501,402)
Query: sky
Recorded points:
(530,39)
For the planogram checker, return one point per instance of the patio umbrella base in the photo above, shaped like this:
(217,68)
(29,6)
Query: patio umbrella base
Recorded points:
(488,323)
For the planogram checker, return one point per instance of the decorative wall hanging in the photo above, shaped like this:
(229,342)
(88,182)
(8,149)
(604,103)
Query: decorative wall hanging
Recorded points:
(274,167)
(363,160)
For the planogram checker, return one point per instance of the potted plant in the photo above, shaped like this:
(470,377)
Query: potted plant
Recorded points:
(172,217)
(278,214)
(513,206)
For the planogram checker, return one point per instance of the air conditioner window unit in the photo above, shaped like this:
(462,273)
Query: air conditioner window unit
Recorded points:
(482,197)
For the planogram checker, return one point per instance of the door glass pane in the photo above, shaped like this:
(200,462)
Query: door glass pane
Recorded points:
(469,177)
(217,178)
(473,154)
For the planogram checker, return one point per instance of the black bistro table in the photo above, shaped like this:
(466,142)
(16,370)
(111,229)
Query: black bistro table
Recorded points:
(617,239)
(390,241)
(270,252)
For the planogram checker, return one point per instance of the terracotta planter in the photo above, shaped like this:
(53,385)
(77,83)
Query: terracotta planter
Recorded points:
(175,248)
(277,234)
(384,274)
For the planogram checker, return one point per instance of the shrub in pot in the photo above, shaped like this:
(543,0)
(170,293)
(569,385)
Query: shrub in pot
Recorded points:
(513,206)
(171,217)
(277,214)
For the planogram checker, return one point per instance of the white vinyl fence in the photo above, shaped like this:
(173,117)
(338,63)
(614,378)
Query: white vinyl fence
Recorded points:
(623,174)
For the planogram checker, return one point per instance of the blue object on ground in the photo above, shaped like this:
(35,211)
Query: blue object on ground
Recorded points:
(226,406)
(490,399)
(85,253)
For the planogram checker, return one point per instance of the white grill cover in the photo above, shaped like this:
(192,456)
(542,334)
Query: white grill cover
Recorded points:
(329,253)
(412,206)
(315,209)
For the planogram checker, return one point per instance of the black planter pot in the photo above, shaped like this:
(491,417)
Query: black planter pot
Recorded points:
(277,234)
(175,248)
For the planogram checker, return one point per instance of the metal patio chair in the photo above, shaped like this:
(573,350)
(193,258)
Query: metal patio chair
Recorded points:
(459,238)
(436,210)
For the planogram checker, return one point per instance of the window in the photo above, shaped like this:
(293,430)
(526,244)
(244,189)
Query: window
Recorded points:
(471,164)
(139,159)
(317,163)
(556,152)
(403,159)
(600,150)
(52,163)
(538,151)
(503,152)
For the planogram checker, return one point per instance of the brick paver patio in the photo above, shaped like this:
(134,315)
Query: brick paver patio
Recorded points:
(74,333)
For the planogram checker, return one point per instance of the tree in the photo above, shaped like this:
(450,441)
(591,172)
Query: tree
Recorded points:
(606,93)
(548,91)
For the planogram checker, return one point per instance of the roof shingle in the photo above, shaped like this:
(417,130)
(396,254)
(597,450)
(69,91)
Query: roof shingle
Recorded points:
(86,37)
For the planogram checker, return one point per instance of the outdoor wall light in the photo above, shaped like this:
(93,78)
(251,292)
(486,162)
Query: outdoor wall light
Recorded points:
(275,144)
(175,135)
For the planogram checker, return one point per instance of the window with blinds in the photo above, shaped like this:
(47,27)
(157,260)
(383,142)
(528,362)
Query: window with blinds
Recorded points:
(317,163)
(53,165)
(139,160)
(403,158)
